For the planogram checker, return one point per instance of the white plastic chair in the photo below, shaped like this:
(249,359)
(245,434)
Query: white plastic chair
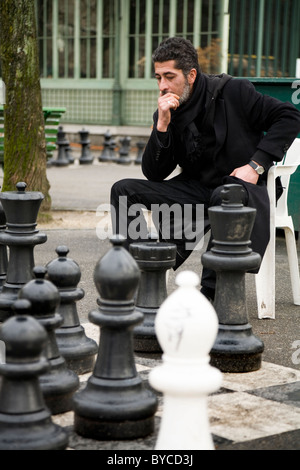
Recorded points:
(279,218)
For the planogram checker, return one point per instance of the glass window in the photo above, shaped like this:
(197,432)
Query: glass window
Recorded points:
(45,40)
(88,35)
(172,18)
(85,34)
(108,39)
(264,42)
(65,40)
(137,30)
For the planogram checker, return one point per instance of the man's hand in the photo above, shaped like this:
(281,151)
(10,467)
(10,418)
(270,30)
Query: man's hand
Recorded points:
(245,173)
(166,102)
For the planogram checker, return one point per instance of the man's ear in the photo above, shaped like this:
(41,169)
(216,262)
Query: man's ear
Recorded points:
(192,76)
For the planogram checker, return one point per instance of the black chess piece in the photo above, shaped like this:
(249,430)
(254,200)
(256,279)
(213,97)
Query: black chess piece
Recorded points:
(236,348)
(62,144)
(3,249)
(124,157)
(115,403)
(112,149)
(106,155)
(78,350)
(21,210)
(25,420)
(86,156)
(69,154)
(153,259)
(140,150)
(59,383)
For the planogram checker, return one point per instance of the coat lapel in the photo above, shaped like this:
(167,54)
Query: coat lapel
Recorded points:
(220,125)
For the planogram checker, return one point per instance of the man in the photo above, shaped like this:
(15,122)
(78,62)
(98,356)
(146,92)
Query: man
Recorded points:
(219,130)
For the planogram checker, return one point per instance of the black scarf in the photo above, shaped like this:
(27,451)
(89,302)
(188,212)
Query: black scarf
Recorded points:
(190,110)
(198,113)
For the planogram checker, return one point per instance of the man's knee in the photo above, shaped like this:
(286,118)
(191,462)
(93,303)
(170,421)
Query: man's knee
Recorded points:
(121,187)
(216,197)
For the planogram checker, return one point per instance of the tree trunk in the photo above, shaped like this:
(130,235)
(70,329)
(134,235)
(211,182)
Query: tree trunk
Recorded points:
(24,138)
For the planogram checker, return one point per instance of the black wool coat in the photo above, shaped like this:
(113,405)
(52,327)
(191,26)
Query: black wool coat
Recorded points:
(219,130)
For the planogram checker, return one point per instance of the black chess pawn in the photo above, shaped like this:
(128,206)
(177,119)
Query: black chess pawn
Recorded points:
(78,350)
(124,157)
(21,210)
(62,144)
(59,383)
(115,403)
(3,249)
(236,348)
(153,259)
(25,420)
(86,156)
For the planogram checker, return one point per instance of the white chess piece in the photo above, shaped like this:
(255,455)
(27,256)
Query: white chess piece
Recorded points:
(186,327)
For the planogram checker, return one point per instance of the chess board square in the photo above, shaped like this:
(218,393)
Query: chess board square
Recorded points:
(241,416)
(268,375)
(287,393)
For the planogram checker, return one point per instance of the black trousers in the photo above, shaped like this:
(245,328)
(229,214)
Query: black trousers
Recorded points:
(128,193)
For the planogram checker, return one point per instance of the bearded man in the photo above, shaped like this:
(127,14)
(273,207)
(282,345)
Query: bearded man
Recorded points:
(218,130)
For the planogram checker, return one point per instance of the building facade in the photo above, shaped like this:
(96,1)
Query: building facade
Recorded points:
(95,55)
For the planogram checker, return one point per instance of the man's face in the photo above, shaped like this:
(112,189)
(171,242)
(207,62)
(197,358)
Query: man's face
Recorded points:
(172,80)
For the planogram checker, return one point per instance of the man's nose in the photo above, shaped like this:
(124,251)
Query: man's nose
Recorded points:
(163,86)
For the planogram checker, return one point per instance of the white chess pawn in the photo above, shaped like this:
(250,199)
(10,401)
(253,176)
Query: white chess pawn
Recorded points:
(186,326)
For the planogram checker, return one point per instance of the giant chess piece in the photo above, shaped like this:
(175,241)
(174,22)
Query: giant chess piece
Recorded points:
(59,383)
(153,259)
(115,403)
(124,157)
(78,350)
(186,326)
(25,420)
(3,249)
(62,143)
(21,210)
(86,156)
(106,155)
(236,348)
(112,149)
(140,146)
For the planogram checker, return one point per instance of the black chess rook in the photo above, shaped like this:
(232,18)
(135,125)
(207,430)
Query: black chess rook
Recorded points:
(153,259)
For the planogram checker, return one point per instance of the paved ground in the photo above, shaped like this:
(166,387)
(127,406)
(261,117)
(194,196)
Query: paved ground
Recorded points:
(258,410)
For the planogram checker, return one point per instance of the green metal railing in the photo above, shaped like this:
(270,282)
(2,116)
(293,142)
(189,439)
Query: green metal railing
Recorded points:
(264,38)
(52,118)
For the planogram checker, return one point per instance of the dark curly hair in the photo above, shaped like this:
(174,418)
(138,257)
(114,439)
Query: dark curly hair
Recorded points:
(179,49)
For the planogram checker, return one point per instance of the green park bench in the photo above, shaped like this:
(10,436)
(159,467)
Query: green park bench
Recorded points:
(52,117)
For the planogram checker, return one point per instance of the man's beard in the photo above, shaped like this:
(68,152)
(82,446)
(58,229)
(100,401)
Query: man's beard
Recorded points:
(185,94)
